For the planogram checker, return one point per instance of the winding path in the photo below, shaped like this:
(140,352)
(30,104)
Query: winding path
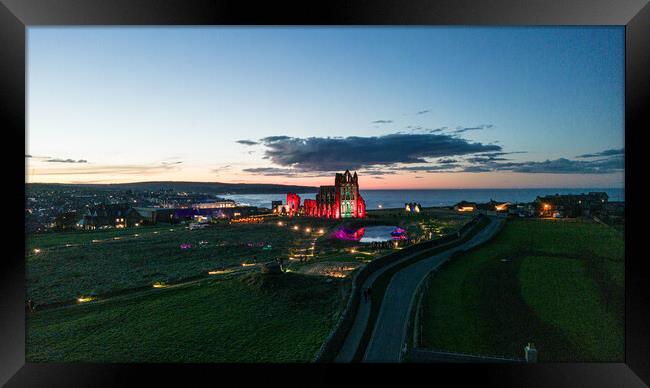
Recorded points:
(388,334)
(385,344)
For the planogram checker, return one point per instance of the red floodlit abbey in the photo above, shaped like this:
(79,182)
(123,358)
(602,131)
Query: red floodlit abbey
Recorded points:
(342,200)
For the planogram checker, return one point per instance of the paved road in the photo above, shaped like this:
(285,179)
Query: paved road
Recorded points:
(388,334)
(353,339)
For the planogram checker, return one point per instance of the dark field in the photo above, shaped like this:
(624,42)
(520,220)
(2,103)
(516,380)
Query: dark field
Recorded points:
(239,319)
(236,316)
(82,263)
(556,283)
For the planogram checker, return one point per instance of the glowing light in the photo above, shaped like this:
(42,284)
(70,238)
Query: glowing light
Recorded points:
(116,238)
(380,206)
(218,272)
(295,227)
(36,250)
(159,285)
(68,245)
(280,223)
(96,241)
(247,264)
(466,209)
(308,230)
(83,299)
(136,235)
(156,232)
(546,206)
(321,231)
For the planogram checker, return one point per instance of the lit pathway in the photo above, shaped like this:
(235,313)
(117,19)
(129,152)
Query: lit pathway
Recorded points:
(353,339)
(388,335)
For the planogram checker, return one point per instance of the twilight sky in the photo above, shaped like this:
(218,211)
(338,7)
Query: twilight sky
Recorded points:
(430,107)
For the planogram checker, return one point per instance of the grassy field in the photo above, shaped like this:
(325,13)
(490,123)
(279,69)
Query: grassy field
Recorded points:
(241,316)
(254,318)
(556,283)
(60,267)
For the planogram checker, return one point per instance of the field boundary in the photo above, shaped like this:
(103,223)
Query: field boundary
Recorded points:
(473,228)
(332,345)
(414,324)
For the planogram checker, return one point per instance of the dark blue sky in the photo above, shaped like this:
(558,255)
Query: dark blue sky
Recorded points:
(539,97)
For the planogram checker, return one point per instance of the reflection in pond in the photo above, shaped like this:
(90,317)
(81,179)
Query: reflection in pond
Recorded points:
(371,234)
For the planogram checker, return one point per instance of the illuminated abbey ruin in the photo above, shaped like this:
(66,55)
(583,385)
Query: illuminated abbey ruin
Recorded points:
(342,200)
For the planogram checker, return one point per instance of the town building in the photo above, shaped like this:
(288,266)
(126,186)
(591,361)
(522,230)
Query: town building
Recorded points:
(111,215)
(464,206)
(570,205)
(275,205)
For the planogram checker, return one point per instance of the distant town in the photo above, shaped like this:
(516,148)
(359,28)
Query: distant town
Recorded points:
(88,207)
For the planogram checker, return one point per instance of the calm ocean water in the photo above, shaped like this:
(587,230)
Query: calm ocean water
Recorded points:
(440,197)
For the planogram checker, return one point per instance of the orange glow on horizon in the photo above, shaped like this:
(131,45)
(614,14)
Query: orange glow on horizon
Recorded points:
(402,181)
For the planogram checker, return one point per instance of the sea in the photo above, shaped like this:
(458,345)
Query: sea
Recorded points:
(385,199)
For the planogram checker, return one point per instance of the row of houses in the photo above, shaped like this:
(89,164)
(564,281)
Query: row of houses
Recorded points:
(123,216)
(566,205)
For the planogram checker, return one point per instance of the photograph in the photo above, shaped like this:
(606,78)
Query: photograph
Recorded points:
(325,194)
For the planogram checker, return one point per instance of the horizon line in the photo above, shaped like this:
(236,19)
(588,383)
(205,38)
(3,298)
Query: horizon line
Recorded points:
(279,184)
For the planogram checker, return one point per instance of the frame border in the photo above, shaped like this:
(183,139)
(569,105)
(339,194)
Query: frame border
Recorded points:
(16,16)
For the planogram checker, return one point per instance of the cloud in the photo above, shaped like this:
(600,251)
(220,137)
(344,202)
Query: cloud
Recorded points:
(556,166)
(247,142)
(58,160)
(432,168)
(270,139)
(336,154)
(423,112)
(171,163)
(382,121)
(285,172)
(127,169)
(610,152)
(222,168)
(476,169)
(478,128)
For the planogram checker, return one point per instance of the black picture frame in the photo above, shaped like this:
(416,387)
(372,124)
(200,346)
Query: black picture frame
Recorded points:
(17,15)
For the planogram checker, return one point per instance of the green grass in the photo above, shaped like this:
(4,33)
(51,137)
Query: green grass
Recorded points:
(381,283)
(71,264)
(558,284)
(62,273)
(257,318)
(560,291)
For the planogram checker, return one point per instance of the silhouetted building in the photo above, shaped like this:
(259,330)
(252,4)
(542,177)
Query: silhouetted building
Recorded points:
(570,205)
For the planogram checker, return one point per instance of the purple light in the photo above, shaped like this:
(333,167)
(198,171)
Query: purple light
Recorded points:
(349,234)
